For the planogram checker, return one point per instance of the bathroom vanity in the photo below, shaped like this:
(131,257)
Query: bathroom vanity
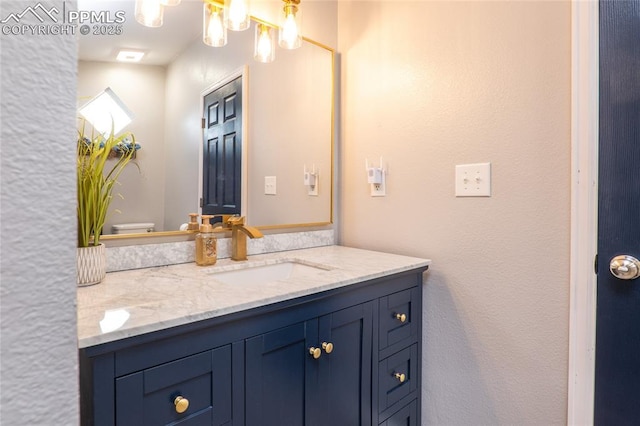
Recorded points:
(322,336)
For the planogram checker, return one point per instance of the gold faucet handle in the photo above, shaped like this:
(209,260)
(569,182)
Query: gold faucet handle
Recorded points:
(235,220)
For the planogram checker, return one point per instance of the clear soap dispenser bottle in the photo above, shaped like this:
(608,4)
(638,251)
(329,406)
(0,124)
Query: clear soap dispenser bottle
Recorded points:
(206,245)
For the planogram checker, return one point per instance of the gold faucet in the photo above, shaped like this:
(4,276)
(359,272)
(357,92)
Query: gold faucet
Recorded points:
(239,234)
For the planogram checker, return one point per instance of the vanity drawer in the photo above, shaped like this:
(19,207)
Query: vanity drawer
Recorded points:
(406,416)
(399,317)
(148,397)
(398,376)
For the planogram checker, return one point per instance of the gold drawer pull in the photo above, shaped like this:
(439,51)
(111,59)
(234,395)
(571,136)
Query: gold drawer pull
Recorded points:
(181,404)
(328,347)
(401,377)
(401,317)
(315,352)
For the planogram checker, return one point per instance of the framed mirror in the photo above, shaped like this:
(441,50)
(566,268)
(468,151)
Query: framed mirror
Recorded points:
(288,118)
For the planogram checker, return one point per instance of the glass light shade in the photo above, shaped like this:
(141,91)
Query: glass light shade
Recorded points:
(236,14)
(149,13)
(170,2)
(290,34)
(214,33)
(106,113)
(265,45)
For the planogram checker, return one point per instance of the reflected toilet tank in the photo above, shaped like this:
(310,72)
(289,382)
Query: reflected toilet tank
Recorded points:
(133,228)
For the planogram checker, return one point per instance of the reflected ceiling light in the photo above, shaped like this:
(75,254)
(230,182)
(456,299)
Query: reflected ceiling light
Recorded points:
(106,113)
(170,2)
(265,46)
(290,34)
(236,14)
(128,55)
(149,13)
(214,33)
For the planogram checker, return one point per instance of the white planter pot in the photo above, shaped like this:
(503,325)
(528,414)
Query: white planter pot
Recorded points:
(92,264)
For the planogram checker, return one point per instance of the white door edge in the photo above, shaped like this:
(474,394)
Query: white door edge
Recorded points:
(584,200)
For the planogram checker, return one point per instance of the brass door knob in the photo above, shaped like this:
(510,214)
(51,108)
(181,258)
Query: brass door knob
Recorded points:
(315,352)
(328,347)
(181,404)
(401,377)
(401,317)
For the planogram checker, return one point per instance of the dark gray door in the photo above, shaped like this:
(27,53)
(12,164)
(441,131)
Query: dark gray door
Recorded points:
(617,382)
(222,168)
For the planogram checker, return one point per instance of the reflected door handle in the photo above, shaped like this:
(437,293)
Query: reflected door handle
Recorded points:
(625,267)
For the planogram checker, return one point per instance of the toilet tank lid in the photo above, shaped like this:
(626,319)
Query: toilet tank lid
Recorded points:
(133,225)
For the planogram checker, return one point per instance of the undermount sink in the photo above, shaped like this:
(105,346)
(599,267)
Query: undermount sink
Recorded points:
(264,273)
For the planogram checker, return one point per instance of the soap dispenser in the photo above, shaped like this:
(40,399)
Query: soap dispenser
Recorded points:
(206,246)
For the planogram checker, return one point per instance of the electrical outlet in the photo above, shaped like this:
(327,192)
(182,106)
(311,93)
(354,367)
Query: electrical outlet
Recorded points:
(473,180)
(269,185)
(379,189)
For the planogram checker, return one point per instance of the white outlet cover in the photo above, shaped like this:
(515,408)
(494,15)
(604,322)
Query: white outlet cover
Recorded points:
(473,180)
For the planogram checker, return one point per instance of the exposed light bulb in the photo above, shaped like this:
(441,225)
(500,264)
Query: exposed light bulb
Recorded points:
(290,31)
(216,28)
(237,15)
(149,13)
(264,45)
(290,28)
(214,32)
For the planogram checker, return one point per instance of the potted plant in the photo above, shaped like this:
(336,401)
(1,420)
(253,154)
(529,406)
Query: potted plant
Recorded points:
(96,176)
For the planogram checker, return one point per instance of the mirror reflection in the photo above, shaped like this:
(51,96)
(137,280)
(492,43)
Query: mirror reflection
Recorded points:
(286,125)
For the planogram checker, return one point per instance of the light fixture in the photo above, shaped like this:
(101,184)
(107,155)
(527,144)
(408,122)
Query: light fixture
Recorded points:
(214,33)
(170,2)
(106,113)
(264,48)
(236,14)
(149,13)
(290,34)
(129,55)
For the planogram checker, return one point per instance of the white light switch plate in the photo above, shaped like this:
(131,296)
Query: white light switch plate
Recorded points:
(269,185)
(473,180)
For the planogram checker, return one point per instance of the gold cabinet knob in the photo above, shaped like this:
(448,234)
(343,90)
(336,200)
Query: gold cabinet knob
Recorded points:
(401,377)
(401,317)
(328,347)
(315,352)
(181,404)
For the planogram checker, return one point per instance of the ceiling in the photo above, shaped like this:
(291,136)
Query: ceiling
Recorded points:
(182,26)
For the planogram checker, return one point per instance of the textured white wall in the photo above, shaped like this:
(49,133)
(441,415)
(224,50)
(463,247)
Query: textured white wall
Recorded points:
(429,85)
(38,350)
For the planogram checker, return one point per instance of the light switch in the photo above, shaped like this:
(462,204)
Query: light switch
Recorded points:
(473,180)
(270,185)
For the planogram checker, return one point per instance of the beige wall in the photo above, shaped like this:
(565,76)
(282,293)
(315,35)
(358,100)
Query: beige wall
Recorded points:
(428,85)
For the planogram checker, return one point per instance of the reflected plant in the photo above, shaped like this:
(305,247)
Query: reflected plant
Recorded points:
(96,177)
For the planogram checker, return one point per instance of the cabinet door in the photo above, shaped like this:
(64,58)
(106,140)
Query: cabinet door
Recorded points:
(204,380)
(278,368)
(344,389)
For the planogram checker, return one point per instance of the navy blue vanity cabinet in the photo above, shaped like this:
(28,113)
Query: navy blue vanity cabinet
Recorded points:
(316,372)
(343,357)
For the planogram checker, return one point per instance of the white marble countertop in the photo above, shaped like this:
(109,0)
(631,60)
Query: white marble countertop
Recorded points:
(135,302)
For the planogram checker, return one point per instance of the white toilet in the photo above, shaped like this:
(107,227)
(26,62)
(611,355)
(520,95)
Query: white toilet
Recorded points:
(132,228)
